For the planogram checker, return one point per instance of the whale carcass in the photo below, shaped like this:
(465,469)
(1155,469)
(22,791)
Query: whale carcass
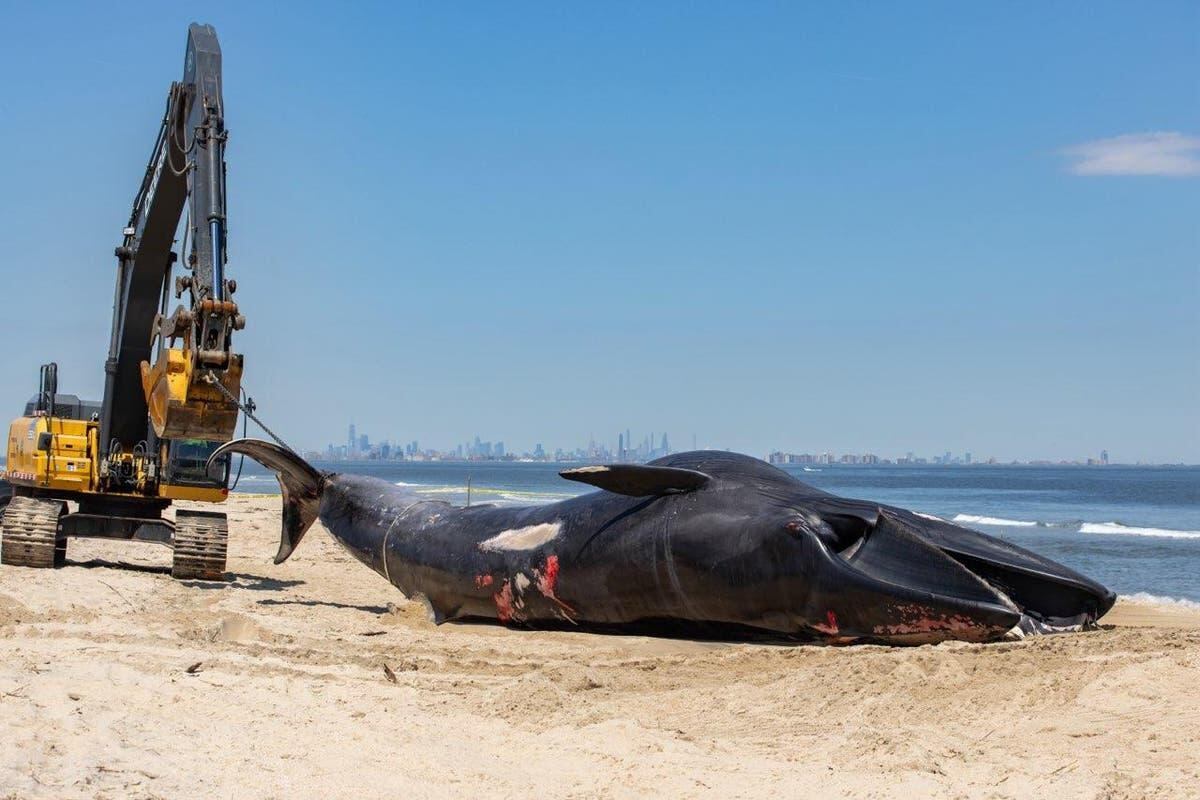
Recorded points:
(695,543)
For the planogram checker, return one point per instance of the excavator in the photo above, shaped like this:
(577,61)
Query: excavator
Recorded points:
(109,469)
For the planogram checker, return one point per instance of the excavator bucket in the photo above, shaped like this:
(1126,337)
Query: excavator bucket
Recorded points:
(183,404)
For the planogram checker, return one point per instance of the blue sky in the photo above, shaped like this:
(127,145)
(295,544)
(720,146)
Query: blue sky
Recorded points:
(847,227)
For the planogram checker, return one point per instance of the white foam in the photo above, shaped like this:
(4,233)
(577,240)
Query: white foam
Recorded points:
(977,520)
(1128,530)
(1145,598)
(536,498)
(405,483)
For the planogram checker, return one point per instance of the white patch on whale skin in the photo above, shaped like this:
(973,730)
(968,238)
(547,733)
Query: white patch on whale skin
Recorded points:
(526,538)
(582,470)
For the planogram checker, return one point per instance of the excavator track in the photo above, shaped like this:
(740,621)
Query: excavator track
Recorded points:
(29,533)
(200,543)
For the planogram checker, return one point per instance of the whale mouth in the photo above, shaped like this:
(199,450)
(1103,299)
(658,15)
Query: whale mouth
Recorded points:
(943,585)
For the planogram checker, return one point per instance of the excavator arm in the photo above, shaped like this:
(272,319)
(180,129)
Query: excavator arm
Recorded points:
(167,367)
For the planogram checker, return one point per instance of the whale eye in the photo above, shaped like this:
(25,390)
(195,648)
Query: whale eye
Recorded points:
(813,524)
(801,524)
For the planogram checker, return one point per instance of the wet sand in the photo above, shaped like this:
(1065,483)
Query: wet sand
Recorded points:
(116,681)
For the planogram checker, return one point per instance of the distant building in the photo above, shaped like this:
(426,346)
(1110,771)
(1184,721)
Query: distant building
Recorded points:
(1104,457)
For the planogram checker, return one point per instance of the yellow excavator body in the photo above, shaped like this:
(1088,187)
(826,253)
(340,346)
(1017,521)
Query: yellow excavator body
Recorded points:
(52,454)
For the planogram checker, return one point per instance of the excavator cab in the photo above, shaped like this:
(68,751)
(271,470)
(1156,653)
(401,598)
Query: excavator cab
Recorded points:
(185,463)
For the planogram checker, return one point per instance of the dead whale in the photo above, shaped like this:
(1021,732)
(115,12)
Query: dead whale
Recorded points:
(692,543)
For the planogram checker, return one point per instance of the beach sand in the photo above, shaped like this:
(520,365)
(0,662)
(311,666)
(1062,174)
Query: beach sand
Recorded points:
(116,681)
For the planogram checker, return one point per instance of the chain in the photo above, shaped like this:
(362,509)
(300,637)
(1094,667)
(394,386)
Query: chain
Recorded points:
(246,409)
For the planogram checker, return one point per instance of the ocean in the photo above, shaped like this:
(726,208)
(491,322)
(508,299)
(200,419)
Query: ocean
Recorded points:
(1135,529)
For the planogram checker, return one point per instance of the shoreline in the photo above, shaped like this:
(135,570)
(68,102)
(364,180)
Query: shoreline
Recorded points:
(287,695)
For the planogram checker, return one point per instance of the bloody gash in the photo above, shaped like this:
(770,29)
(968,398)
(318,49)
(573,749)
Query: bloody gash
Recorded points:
(691,543)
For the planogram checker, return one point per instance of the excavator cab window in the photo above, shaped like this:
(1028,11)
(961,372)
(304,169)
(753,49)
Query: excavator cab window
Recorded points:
(186,462)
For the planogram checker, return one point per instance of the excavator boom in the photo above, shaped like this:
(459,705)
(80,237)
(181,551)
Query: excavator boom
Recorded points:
(161,366)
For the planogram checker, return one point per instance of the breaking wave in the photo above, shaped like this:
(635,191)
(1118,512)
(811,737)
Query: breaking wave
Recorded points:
(1129,530)
(1145,598)
(1105,528)
(972,519)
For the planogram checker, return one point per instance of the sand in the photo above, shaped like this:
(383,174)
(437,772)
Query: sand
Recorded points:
(116,681)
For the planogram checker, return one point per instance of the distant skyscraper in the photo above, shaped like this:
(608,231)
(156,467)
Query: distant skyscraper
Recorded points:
(620,447)
(1104,457)
(353,441)
(666,450)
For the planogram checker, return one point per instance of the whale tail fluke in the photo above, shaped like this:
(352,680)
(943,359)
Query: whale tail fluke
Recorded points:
(299,482)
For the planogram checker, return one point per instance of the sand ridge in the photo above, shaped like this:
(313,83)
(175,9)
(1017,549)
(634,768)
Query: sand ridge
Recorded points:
(117,681)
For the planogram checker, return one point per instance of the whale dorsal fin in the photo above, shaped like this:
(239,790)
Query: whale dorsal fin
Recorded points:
(638,480)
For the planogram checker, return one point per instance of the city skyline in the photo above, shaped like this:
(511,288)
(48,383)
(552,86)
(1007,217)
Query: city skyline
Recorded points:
(359,446)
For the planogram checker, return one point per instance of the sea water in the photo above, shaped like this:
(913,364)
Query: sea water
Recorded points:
(1134,529)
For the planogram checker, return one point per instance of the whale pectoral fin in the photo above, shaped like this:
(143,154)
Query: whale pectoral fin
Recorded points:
(638,480)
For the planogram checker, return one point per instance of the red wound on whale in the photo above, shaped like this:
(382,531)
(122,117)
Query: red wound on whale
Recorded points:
(831,624)
(504,603)
(482,581)
(548,577)
(547,582)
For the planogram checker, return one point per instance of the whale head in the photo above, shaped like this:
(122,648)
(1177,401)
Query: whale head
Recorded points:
(856,569)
